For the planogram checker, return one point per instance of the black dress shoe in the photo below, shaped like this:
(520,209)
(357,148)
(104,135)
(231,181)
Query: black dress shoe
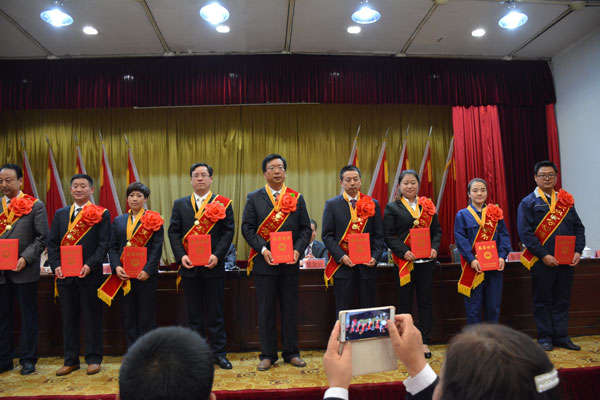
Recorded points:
(223,362)
(569,345)
(428,355)
(6,368)
(28,368)
(547,346)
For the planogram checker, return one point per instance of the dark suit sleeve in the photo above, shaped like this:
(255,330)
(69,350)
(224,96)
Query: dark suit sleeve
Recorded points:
(425,394)
(175,233)
(304,228)
(579,230)
(328,232)
(319,250)
(376,233)
(40,224)
(395,243)
(113,247)
(250,225)
(53,243)
(155,251)
(436,233)
(227,232)
(103,239)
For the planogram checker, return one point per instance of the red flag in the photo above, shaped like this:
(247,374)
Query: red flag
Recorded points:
(132,173)
(55,197)
(447,206)
(353,160)
(379,181)
(426,174)
(29,186)
(108,192)
(80,169)
(403,165)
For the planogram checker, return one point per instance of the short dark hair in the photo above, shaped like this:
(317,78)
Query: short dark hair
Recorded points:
(545,163)
(201,164)
(347,168)
(270,158)
(82,176)
(167,363)
(312,221)
(472,181)
(14,167)
(138,187)
(409,172)
(492,361)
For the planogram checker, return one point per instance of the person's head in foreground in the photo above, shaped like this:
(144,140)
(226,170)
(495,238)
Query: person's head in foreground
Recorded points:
(167,363)
(484,362)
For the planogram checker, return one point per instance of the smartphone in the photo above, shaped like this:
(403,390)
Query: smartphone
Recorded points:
(365,323)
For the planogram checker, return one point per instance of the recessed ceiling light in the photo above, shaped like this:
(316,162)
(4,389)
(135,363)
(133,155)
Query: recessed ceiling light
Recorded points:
(222,29)
(214,13)
(512,20)
(479,32)
(354,29)
(366,15)
(56,17)
(90,30)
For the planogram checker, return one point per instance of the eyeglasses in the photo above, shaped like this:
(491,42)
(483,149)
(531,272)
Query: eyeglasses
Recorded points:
(546,176)
(278,168)
(196,176)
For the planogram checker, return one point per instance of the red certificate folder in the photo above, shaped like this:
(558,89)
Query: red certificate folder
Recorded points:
(564,249)
(199,249)
(282,247)
(359,247)
(9,254)
(134,260)
(487,255)
(420,242)
(71,260)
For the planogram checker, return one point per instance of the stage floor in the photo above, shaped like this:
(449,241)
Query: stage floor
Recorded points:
(244,375)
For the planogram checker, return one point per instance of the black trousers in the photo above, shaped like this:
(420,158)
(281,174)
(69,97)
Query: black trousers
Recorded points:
(269,288)
(551,291)
(77,298)
(206,296)
(344,289)
(139,309)
(421,282)
(26,293)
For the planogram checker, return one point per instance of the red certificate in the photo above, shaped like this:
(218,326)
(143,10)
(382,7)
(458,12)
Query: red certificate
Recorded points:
(420,242)
(282,247)
(564,249)
(9,254)
(134,260)
(487,255)
(71,260)
(359,247)
(314,263)
(199,249)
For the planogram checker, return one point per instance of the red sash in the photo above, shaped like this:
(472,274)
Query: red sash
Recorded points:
(355,227)
(469,278)
(113,283)
(545,229)
(404,266)
(272,223)
(8,218)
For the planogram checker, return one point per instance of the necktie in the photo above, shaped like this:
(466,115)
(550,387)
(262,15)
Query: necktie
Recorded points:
(353,202)
(276,196)
(75,213)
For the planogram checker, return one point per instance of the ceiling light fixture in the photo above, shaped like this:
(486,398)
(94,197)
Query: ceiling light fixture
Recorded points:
(222,29)
(90,30)
(214,13)
(354,29)
(365,14)
(479,32)
(513,19)
(56,17)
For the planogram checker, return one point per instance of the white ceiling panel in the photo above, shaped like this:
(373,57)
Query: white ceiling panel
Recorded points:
(448,32)
(13,44)
(256,26)
(320,26)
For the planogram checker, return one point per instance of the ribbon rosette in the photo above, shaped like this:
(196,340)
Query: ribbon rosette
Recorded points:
(214,211)
(151,221)
(494,213)
(92,214)
(365,207)
(20,206)
(288,203)
(427,205)
(565,198)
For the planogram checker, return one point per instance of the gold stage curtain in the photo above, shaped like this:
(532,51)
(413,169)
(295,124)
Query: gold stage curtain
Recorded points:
(315,139)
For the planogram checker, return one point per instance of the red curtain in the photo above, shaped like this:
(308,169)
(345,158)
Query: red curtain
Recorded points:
(218,80)
(553,146)
(478,154)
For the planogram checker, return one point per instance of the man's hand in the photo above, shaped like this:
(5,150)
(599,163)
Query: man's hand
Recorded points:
(268,257)
(550,261)
(338,367)
(143,276)
(475,265)
(121,273)
(409,256)
(296,257)
(21,263)
(347,261)
(58,273)
(186,262)
(433,253)
(408,343)
(371,263)
(576,258)
(502,263)
(212,261)
(85,271)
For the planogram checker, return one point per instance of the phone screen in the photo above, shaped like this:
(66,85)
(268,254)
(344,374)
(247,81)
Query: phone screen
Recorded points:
(367,324)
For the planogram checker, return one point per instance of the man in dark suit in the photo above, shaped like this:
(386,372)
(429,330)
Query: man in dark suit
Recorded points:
(203,286)
(315,248)
(344,213)
(30,227)
(87,225)
(276,208)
